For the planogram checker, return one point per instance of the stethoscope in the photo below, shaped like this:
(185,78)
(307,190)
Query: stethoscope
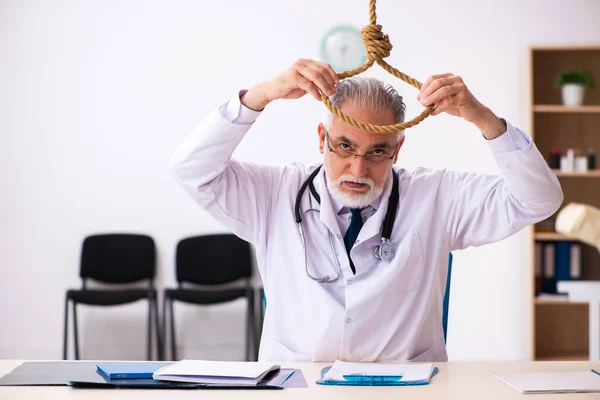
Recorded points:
(385,251)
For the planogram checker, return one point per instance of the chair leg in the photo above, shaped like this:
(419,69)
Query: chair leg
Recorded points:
(250,334)
(75,331)
(149,330)
(261,319)
(164,327)
(66,328)
(159,347)
(173,342)
(247,341)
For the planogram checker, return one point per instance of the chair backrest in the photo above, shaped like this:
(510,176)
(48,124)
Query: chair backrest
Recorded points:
(213,259)
(118,258)
(446,303)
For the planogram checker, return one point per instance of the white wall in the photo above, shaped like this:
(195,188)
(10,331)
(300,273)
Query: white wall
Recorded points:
(96,95)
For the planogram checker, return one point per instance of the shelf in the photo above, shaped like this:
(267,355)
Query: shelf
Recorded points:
(559,302)
(570,47)
(564,357)
(557,108)
(552,236)
(593,173)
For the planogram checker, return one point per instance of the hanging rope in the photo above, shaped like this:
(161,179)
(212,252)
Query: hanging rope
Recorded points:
(378,47)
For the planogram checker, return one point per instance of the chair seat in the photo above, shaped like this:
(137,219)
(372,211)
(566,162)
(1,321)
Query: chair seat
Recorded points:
(199,296)
(107,297)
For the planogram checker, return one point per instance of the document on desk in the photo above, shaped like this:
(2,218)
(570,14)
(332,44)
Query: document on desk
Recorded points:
(553,382)
(216,372)
(373,374)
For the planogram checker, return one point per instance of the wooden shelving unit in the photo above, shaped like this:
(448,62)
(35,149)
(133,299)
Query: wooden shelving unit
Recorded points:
(542,302)
(588,174)
(564,357)
(550,236)
(554,108)
(560,327)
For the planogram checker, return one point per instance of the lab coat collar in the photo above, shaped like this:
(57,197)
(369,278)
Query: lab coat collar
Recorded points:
(373,225)
(326,211)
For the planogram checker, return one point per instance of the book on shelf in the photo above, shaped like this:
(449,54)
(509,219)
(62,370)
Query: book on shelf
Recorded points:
(556,260)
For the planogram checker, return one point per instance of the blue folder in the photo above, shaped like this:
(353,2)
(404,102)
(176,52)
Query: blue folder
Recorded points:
(129,370)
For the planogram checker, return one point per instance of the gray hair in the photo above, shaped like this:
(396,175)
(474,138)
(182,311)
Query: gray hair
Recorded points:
(369,93)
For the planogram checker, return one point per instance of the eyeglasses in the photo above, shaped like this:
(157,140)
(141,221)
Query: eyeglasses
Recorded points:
(345,150)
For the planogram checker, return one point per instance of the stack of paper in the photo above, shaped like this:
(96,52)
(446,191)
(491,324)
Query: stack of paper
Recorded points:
(216,372)
(344,373)
(553,382)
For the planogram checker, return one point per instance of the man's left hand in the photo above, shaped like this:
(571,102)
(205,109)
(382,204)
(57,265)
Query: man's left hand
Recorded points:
(448,93)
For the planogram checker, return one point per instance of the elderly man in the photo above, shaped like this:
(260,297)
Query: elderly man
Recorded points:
(363,279)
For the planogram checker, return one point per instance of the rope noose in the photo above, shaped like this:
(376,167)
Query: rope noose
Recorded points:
(378,47)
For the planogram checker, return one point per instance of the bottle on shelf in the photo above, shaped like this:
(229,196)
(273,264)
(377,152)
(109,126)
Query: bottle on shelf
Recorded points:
(555,158)
(591,159)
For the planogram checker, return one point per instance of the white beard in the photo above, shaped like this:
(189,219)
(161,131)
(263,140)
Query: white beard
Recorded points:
(354,199)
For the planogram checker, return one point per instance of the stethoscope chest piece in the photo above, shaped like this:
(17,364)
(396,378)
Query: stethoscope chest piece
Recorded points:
(385,251)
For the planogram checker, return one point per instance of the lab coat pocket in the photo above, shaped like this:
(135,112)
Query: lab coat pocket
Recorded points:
(405,272)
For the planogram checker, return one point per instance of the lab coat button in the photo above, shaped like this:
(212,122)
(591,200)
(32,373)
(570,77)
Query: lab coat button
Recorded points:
(356,241)
(349,281)
(348,320)
(339,236)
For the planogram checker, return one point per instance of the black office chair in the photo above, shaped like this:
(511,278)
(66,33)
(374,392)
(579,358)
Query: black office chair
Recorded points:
(115,259)
(211,260)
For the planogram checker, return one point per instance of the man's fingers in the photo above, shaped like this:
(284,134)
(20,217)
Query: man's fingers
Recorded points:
(442,106)
(332,73)
(439,94)
(319,76)
(434,86)
(308,87)
(428,82)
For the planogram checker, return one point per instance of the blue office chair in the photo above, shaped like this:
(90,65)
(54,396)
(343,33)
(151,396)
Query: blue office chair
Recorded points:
(445,304)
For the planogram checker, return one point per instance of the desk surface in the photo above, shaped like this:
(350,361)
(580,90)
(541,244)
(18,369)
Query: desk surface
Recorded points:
(454,381)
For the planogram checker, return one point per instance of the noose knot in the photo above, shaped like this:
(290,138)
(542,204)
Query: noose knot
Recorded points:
(377,43)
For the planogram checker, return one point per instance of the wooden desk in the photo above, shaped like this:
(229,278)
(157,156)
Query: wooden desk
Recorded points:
(454,381)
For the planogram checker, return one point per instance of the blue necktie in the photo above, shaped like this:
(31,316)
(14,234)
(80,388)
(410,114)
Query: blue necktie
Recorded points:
(356,224)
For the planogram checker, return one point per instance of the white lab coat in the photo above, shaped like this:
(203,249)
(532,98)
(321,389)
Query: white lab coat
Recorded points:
(387,311)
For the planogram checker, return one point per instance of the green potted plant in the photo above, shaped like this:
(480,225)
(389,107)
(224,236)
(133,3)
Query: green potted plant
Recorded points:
(573,84)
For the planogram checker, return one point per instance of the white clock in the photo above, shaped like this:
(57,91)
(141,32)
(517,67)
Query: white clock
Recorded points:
(343,48)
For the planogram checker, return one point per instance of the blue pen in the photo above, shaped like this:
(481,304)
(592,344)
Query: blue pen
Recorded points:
(372,379)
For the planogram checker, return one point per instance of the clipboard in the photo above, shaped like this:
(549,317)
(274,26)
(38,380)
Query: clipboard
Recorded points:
(371,380)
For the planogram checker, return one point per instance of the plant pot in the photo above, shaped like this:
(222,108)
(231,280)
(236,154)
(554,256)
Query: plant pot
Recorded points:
(572,94)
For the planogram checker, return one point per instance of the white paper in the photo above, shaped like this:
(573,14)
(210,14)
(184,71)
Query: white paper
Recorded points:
(553,382)
(409,372)
(222,372)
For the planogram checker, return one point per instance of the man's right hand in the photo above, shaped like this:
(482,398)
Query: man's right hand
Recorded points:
(304,76)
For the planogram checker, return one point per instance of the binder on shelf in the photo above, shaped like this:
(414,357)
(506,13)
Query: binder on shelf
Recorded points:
(575,266)
(562,260)
(539,265)
(556,260)
(549,280)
